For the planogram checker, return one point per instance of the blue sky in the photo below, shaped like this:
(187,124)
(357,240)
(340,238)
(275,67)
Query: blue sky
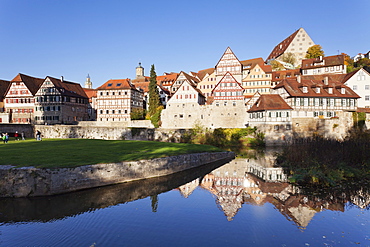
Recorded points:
(107,39)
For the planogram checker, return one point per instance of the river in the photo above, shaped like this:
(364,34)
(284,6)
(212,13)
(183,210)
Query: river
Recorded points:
(246,202)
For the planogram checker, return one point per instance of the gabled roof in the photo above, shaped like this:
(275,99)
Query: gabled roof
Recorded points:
(349,75)
(269,102)
(117,84)
(295,88)
(32,83)
(204,72)
(167,78)
(191,83)
(282,46)
(90,93)
(252,62)
(228,50)
(279,75)
(69,88)
(222,81)
(189,77)
(4,86)
(328,61)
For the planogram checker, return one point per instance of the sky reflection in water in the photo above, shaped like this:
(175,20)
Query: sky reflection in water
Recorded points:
(246,202)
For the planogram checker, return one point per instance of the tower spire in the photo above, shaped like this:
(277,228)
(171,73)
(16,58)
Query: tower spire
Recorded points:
(88,83)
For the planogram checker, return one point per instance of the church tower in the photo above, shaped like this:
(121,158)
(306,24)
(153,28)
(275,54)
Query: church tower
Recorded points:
(139,71)
(88,83)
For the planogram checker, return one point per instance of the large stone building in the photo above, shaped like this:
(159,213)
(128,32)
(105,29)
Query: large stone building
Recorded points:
(297,44)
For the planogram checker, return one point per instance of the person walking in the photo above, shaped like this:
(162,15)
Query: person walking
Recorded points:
(22,135)
(16,136)
(38,135)
(6,137)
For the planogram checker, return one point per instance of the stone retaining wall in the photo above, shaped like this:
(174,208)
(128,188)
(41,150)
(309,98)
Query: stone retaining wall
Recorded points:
(30,181)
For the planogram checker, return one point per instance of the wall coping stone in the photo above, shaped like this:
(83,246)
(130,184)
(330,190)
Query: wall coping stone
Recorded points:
(31,181)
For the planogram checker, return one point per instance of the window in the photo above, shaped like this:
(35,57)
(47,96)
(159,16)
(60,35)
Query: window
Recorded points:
(305,90)
(181,115)
(367,97)
(367,87)
(354,87)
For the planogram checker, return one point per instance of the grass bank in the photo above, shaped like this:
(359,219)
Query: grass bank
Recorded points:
(54,153)
(327,162)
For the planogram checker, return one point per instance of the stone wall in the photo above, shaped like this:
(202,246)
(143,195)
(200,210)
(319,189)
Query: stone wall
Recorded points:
(28,129)
(30,181)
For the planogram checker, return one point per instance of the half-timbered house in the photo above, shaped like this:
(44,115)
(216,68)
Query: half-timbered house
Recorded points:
(256,77)
(19,100)
(60,102)
(318,97)
(229,63)
(324,65)
(116,99)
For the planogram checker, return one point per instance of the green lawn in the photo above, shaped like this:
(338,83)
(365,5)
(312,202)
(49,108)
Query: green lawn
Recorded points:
(54,153)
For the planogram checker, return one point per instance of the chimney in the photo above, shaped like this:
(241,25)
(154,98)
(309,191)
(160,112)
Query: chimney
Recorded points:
(326,80)
(299,78)
(61,78)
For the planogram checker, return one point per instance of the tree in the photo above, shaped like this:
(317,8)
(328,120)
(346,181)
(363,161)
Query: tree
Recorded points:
(348,61)
(276,66)
(362,62)
(137,114)
(155,106)
(315,51)
(154,99)
(289,58)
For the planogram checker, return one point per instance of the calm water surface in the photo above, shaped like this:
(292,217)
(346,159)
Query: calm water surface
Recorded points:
(246,202)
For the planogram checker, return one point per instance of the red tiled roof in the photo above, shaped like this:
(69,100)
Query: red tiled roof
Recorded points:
(91,93)
(279,75)
(294,88)
(204,72)
(33,84)
(252,62)
(328,61)
(269,102)
(70,88)
(366,110)
(281,47)
(117,84)
(167,78)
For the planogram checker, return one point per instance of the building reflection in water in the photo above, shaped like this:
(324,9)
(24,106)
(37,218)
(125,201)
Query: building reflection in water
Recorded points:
(258,181)
(254,181)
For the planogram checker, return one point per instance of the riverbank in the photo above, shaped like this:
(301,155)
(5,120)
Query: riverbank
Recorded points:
(31,181)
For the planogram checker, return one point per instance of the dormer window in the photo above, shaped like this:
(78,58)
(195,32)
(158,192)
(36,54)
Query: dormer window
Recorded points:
(317,90)
(110,84)
(330,90)
(342,90)
(305,90)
